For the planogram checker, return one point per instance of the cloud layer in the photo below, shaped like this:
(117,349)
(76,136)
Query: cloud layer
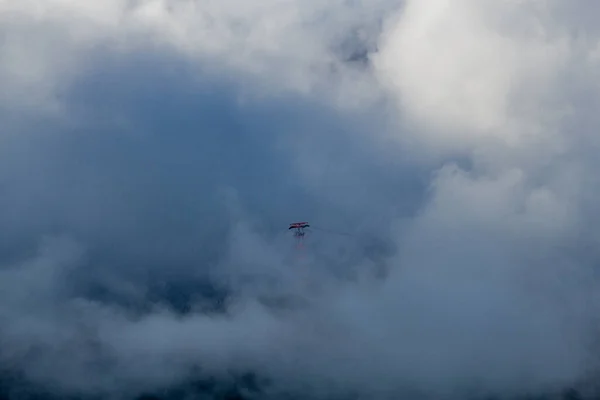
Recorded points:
(153,152)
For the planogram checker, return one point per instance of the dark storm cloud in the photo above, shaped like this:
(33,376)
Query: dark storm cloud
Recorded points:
(171,191)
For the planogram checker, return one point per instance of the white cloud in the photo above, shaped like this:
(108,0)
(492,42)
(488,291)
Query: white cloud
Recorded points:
(469,71)
(283,44)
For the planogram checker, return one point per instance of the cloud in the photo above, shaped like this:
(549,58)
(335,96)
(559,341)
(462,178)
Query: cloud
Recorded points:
(472,71)
(155,151)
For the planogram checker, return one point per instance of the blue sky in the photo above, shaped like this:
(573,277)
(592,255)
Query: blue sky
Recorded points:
(153,154)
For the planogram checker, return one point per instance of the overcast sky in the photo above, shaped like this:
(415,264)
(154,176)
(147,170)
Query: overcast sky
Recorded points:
(153,153)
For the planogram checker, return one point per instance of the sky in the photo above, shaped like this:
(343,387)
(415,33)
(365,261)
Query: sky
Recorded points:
(153,153)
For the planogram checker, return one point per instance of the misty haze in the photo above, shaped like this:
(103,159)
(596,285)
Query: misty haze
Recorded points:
(153,154)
